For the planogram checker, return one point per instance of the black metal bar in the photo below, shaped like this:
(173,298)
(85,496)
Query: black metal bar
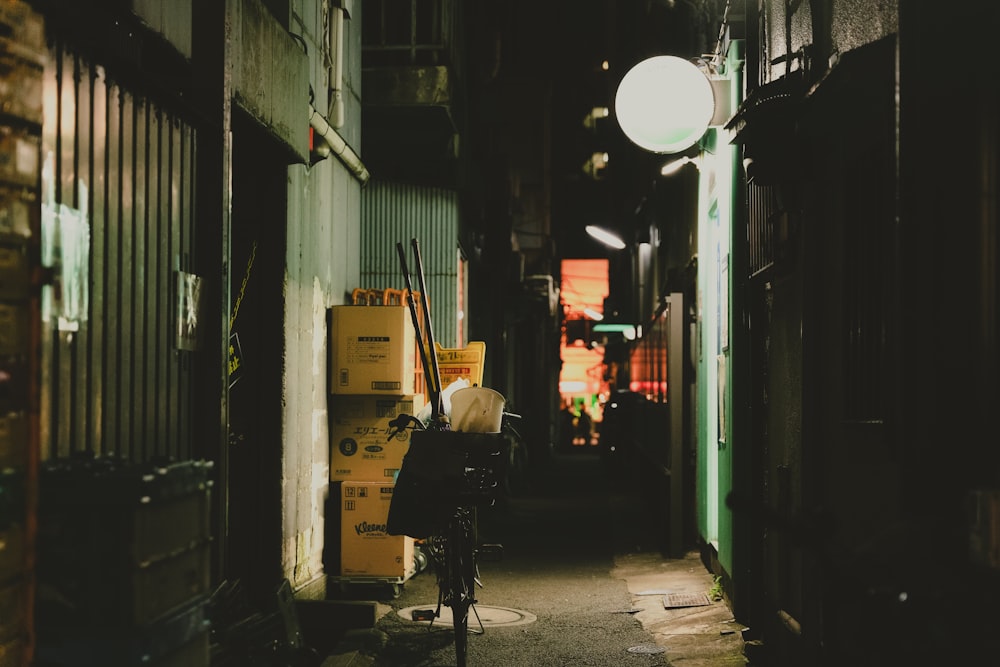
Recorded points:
(436,406)
(401,251)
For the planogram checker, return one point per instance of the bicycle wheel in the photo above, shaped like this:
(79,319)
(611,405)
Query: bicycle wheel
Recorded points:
(461,581)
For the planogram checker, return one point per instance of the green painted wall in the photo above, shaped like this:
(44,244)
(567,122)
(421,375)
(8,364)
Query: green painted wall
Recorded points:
(717,338)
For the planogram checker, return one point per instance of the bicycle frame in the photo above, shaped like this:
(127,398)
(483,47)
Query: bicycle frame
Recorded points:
(445,476)
(453,554)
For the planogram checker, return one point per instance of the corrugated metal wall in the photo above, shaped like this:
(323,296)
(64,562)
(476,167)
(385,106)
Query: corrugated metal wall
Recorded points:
(118,225)
(394,213)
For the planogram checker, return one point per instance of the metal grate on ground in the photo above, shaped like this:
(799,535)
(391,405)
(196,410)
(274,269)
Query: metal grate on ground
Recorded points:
(681,600)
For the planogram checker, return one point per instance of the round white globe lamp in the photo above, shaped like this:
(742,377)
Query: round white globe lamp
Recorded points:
(664,104)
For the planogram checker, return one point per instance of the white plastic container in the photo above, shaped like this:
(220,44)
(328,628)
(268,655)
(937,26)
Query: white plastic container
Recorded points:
(477,410)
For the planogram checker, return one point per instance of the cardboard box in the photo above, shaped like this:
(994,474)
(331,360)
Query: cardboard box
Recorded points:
(373,350)
(360,449)
(366,550)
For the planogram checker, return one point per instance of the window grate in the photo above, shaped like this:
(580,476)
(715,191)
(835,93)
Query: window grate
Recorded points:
(762,211)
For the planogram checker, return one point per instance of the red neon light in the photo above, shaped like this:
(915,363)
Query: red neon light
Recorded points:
(648,387)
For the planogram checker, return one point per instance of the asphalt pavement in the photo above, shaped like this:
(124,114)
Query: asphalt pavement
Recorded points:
(580,582)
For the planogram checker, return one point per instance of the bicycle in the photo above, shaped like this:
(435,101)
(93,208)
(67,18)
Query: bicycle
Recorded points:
(454,557)
(445,477)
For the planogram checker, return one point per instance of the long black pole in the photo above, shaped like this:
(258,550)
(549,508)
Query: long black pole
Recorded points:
(436,397)
(401,251)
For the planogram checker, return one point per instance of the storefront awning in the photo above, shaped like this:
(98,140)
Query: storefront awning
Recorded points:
(768,109)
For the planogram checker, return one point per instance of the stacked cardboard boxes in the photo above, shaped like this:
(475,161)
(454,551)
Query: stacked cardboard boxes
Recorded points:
(372,381)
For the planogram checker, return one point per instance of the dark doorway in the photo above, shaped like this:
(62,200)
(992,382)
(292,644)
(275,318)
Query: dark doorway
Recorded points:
(255,381)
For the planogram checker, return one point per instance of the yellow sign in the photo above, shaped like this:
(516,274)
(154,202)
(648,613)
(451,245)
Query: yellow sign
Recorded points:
(235,359)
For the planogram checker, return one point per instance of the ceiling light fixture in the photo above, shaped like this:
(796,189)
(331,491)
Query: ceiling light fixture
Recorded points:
(606,237)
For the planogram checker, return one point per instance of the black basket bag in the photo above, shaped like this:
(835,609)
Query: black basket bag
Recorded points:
(441,471)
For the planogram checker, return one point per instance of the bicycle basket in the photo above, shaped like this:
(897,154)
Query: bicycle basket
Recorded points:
(440,471)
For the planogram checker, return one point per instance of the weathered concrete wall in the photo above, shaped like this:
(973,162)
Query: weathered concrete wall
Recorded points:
(850,24)
(170,19)
(270,71)
(322,267)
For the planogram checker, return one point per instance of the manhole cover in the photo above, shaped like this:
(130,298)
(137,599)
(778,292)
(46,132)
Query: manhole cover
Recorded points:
(678,600)
(488,616)
(647,649)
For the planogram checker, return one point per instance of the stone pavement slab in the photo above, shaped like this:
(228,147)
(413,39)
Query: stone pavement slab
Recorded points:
(699,636)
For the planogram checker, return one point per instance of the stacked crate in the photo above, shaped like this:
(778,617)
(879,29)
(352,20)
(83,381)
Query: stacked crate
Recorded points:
(22,52)
(373,379)
(123,563)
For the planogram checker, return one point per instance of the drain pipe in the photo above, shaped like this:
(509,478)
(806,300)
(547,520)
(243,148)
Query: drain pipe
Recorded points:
(337,145)
(338,9)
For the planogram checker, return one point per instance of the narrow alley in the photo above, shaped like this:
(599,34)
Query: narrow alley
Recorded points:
(580,582)
(734,266)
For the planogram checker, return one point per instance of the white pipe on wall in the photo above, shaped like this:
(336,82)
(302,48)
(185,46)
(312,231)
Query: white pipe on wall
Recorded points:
(336,73)
(337,145)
